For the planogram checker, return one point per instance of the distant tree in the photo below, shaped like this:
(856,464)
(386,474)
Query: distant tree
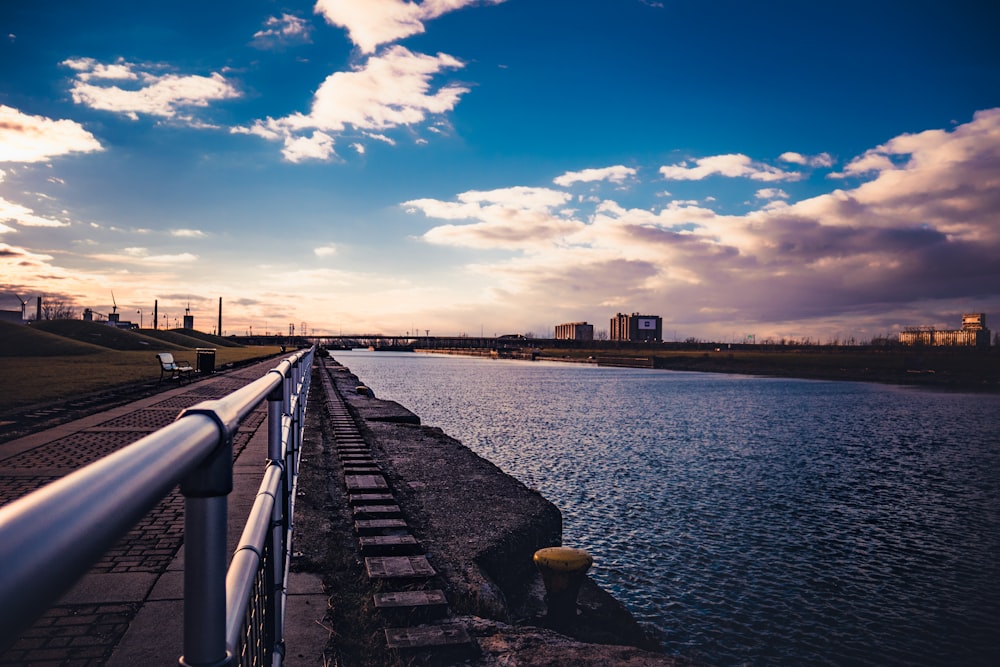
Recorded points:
(57,309)
(883,340)
(602,334)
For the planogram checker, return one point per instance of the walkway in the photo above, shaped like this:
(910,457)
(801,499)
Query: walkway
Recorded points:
(128,609)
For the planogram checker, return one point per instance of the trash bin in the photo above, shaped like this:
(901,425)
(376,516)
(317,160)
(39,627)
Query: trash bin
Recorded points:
(205,360)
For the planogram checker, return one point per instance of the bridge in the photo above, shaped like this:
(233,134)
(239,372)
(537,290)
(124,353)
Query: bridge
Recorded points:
(383,342)
(379,341)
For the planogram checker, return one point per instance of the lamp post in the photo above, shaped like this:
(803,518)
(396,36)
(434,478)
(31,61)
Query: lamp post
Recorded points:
(140,317)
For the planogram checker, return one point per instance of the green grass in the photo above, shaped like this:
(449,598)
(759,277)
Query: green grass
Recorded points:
(57,360)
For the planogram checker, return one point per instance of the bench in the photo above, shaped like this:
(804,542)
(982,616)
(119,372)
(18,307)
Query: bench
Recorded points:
(173,369)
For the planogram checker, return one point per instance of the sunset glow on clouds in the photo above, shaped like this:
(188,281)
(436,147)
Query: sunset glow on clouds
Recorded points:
(466,165)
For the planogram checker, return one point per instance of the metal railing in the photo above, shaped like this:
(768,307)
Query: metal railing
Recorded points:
(50,538)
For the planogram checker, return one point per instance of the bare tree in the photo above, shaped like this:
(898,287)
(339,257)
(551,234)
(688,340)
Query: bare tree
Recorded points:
(57,309)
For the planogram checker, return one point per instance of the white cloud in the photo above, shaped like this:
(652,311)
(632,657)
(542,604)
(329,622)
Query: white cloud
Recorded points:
(389,140)
(179,258)
(771,193)
(317,146)
(872,161)
(376,22)
(149,93)
(27,138)
(733,165)
(279,31)
(141,256)
(616,174)
(325,251)
(88,69)
(24,216)
(515,217)
(390,90)
(188,233)
(821,160)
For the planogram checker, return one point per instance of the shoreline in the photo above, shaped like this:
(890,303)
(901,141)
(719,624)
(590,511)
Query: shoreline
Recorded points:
(480,528)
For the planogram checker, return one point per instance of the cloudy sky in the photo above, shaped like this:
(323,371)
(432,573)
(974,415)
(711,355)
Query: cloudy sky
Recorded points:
(782,169)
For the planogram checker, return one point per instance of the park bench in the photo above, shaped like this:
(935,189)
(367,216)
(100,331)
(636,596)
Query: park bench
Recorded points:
(173,369)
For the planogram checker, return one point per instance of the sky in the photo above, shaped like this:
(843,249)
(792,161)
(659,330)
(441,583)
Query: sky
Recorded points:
(780,169)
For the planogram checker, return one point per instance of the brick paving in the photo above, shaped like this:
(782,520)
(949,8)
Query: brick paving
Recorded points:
(86,632)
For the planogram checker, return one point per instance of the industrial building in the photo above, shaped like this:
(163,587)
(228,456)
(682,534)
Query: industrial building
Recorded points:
(575,331)
(972,334)
(637,328)
(12,316)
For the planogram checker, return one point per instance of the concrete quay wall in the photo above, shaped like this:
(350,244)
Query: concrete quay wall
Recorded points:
(480,528)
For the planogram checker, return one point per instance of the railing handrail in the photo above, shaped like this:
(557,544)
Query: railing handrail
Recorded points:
(50,538)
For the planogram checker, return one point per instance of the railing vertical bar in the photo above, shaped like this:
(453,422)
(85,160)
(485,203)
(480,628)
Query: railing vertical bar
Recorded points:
(275,445)
(276,576)
(205,582)
(276,453)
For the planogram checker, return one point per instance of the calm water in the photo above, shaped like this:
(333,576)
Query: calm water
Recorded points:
(752,521)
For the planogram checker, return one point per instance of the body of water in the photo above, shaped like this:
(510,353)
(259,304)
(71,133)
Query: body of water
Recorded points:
(749,520)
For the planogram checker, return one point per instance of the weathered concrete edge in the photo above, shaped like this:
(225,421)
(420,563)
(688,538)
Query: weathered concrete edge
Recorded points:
(481,527)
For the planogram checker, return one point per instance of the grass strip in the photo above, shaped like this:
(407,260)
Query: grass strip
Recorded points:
(32,380)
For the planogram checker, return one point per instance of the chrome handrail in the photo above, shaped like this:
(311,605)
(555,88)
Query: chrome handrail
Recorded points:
(50,538)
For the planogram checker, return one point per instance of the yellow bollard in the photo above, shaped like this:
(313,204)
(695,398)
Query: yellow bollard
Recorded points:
(563,570)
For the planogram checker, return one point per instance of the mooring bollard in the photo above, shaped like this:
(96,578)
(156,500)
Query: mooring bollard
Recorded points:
(563,570)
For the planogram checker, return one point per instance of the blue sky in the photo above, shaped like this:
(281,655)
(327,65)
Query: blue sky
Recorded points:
(785,169)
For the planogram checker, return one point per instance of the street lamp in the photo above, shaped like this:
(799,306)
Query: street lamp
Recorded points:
(140,317)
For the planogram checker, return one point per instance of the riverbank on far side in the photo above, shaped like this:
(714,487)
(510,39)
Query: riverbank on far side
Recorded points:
(942,368)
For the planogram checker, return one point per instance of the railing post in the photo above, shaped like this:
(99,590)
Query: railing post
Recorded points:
(275,400)
(276,450)
(206,492)
(205,582)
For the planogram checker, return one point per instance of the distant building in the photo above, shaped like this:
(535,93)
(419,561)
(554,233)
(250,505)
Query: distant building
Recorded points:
(637,328)
(12,316)
(972,334)
(575,331)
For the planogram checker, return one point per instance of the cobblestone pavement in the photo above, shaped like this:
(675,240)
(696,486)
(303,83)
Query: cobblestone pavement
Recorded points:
(85,633)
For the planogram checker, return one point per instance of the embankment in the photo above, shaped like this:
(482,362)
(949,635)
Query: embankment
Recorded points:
(947,368)
(479,528)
